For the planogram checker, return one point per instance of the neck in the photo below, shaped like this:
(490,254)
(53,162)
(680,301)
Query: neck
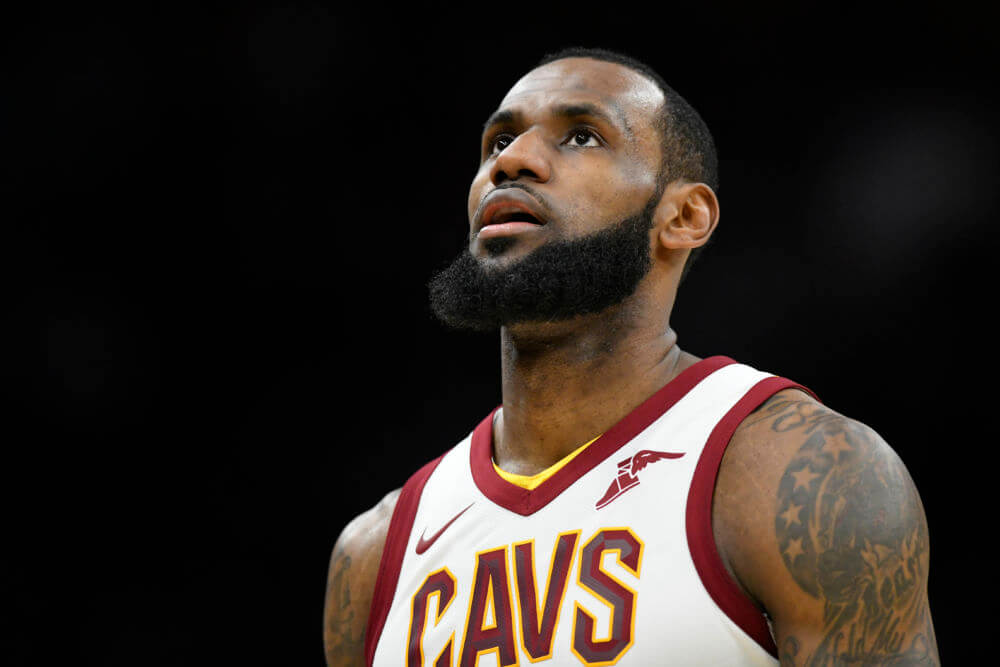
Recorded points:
(566,383)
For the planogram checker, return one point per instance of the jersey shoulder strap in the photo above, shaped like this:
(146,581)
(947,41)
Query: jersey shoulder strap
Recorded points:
(392,555)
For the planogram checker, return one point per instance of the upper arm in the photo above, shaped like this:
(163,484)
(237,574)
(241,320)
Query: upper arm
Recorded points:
(820,522)
(351,584)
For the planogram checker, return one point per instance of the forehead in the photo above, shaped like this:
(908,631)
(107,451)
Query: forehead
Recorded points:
(625,94)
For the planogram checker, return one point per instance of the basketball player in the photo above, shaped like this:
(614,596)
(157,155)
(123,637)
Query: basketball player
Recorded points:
(628,503)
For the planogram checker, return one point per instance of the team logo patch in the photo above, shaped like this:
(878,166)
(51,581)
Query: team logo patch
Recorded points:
(627,473)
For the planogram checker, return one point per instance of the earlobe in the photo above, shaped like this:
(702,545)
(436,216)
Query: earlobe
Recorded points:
(690,213)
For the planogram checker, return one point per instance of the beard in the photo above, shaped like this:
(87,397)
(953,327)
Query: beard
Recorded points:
(557,281)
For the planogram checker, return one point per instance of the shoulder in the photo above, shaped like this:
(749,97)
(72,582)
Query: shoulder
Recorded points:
(366,532)
(351,583)
(819,521)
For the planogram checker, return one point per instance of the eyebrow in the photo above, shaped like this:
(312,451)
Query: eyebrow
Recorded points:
(571,110)
(501,117)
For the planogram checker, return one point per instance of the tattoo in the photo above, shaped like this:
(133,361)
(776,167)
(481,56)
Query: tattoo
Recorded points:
(852,533)
(789,651)
(343,642)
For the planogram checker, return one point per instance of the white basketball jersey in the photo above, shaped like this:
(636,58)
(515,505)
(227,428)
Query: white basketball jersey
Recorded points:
(609,561)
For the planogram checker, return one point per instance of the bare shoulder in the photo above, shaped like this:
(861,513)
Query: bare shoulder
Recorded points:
(819,521)
(351,583)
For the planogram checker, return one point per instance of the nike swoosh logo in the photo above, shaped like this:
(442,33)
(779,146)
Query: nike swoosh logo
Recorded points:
(425,544)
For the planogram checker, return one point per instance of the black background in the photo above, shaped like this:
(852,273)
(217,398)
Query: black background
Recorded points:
(218,225)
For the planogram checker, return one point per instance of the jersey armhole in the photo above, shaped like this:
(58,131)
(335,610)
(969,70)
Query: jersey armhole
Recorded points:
(389,566)
(701,540)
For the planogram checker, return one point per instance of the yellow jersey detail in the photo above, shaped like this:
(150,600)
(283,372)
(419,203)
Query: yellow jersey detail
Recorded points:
(530,482)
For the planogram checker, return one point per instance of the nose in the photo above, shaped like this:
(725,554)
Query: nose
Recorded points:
(526,157)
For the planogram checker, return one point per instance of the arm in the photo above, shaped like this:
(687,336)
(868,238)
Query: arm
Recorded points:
(351,584)
(820,523)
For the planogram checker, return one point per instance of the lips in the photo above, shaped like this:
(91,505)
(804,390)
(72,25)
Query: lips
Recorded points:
(509,206)
(510,213)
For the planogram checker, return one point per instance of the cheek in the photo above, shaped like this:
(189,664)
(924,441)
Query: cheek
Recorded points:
(476,191)
(638,177)
(610,195)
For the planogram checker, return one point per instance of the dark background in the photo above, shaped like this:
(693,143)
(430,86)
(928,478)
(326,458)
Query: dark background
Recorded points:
(217,228)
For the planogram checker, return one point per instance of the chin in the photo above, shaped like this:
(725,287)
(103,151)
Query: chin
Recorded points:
(502,251)
(498,246)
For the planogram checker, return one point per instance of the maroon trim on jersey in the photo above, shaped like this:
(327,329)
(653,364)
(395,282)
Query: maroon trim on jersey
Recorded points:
(396,539)
(526,502)
(701,540)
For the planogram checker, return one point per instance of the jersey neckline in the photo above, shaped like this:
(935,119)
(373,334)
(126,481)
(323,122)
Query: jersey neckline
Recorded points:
(526,502)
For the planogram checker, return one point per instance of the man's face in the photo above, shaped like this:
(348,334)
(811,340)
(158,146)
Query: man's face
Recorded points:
(561,208)
(573,145)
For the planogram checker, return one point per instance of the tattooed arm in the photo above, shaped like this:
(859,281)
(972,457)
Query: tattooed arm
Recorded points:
(819,522)
(351,584)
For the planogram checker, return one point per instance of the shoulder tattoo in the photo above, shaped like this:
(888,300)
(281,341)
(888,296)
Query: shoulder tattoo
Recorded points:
(852,533)
(343,642)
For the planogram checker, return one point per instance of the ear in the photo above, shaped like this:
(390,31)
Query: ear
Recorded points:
(686,216)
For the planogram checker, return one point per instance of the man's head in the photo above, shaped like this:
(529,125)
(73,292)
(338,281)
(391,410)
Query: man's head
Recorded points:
(590,162)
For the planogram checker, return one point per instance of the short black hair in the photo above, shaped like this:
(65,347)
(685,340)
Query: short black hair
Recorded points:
(687,147)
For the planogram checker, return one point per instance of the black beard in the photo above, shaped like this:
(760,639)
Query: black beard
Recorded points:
(557,281)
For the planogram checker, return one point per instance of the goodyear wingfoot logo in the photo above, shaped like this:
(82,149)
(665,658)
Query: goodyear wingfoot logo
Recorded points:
(627,473)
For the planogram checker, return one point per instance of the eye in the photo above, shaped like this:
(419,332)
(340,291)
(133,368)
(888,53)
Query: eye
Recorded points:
(500,142)
(583,138)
